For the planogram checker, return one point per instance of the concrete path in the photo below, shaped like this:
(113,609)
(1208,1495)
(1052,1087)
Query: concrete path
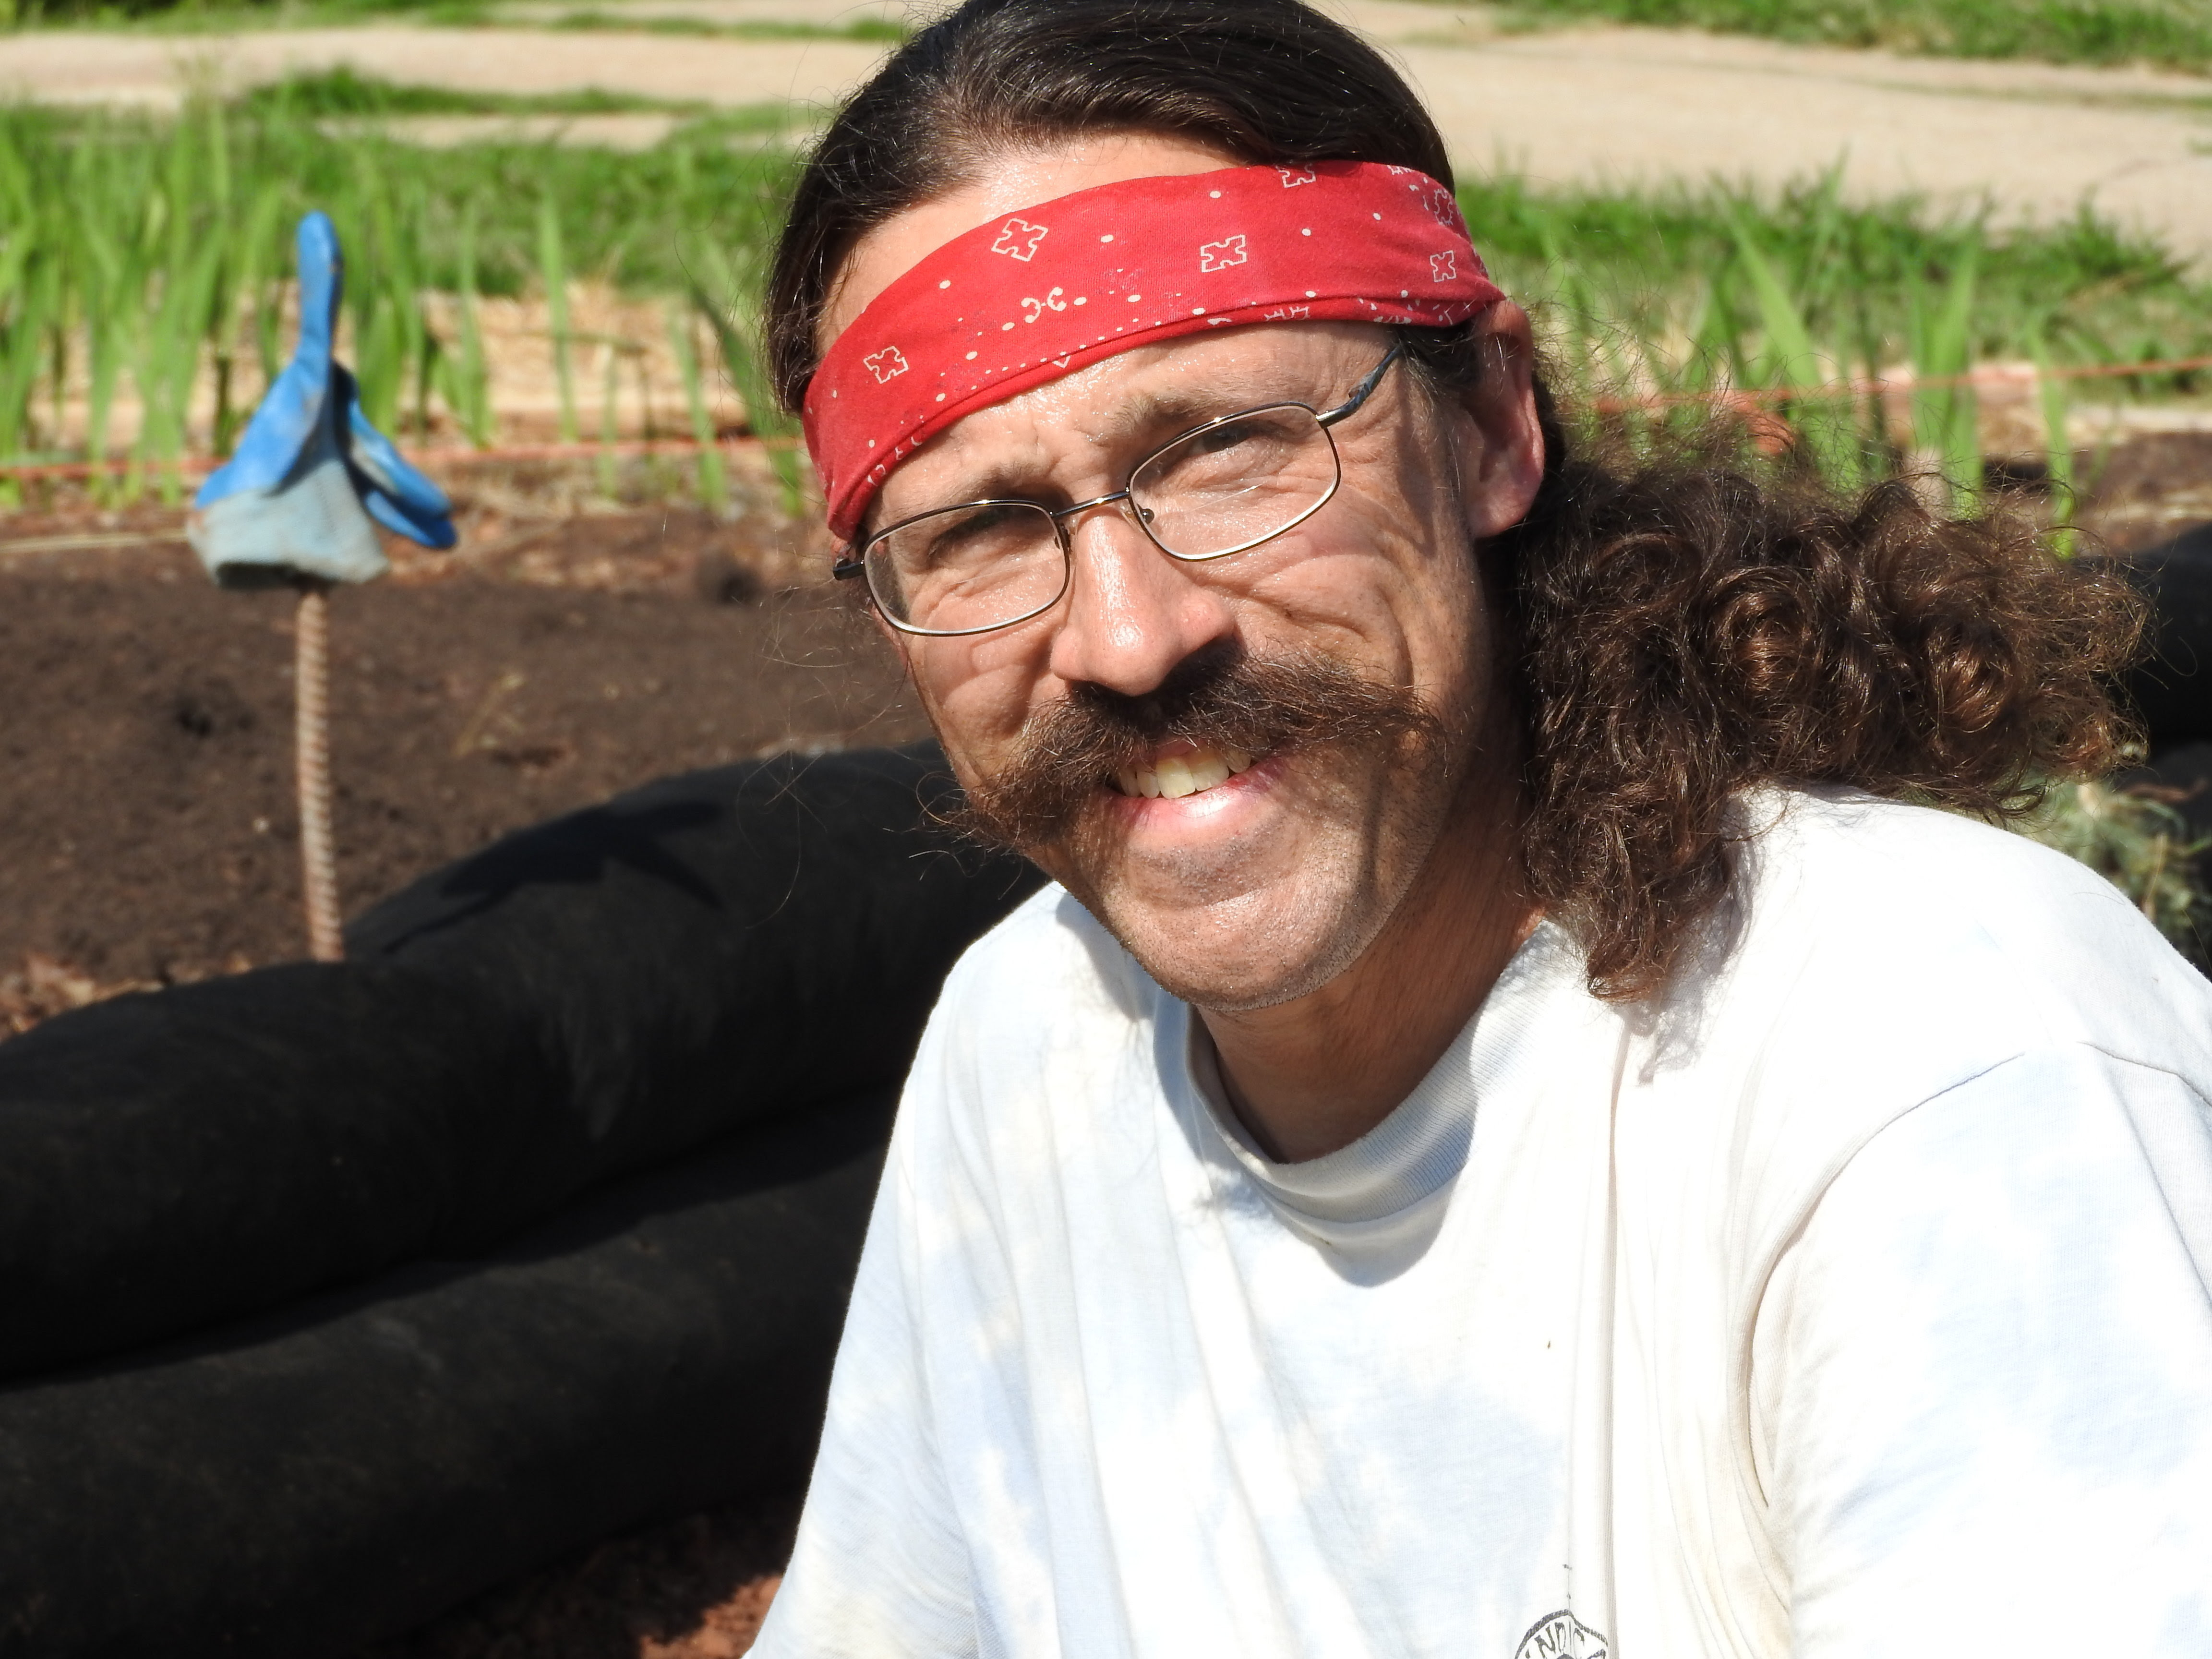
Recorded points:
(157,70)
(1583,106)
(1647,104)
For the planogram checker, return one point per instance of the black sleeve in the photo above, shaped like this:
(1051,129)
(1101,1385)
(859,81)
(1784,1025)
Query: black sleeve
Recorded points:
(582,999)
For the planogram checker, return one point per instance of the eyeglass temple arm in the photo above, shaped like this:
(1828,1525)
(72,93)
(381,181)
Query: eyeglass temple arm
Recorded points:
(1363,391)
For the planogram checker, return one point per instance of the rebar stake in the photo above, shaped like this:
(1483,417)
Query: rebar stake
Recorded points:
(311,719)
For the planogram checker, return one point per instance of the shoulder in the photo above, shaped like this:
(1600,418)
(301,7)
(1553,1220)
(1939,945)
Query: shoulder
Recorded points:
(1953,930)
(1879,957)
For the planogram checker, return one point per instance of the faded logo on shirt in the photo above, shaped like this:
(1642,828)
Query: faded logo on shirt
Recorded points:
(1562,1636)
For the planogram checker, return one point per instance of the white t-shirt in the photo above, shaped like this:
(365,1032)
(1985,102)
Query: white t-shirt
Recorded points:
(1851,1302)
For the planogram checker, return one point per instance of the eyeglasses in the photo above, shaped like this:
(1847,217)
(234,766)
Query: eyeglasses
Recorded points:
(1218,489)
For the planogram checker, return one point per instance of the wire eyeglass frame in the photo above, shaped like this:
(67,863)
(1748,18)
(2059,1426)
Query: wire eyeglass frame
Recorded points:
(856,564)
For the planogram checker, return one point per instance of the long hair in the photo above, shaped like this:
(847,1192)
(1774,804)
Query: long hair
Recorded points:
(1687,632)
(1679,628)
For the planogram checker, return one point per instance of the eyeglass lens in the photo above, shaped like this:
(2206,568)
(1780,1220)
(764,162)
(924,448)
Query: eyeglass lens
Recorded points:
(969,568)
(1221,489)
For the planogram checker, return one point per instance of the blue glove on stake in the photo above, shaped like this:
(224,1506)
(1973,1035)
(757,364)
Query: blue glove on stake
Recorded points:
(311,474)
(298,505)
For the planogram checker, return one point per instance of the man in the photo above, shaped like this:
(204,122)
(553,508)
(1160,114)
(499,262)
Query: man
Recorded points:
(1507,1138)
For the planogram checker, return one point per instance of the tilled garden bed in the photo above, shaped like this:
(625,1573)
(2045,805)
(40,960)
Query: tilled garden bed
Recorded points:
(150,835)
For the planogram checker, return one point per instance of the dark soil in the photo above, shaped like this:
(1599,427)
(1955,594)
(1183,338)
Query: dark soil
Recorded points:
(2147,490)
(151,832)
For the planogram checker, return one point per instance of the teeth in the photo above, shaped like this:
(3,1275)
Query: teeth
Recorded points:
(1206,770)
(1137,780)
(1178,776)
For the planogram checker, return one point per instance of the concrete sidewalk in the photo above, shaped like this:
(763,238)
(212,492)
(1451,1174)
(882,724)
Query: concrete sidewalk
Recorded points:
(1585,106)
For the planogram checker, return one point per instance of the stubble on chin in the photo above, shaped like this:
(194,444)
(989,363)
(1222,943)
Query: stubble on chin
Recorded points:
(1364,776)
(1365,831)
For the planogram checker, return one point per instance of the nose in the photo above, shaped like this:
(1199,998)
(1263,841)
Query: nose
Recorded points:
(1132,613)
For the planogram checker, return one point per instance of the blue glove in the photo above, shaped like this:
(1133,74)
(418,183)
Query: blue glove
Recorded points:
(311,478)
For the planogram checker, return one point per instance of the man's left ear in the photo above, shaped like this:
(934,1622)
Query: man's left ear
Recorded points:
(1501,444)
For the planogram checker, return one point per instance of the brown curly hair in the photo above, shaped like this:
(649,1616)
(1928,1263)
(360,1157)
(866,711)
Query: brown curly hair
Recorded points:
(1686,630)
(1683,629)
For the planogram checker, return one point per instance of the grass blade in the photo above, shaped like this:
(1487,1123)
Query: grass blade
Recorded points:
(2059,445)
(713,483)
(1827,425)
(553,270)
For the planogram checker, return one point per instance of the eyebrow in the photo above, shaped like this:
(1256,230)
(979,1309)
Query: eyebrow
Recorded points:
(1161,415)
(1155,418)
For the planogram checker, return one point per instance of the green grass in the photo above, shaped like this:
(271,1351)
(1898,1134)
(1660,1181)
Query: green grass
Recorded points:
(1673,262)
(149,254)
(2174,33)
(1681,292)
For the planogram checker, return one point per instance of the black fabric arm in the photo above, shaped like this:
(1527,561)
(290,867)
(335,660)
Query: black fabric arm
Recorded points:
(582,999)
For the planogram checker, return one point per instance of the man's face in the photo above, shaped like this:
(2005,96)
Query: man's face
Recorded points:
(1264,882)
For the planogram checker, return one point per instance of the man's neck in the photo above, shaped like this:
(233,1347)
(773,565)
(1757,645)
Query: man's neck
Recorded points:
(1312,1075)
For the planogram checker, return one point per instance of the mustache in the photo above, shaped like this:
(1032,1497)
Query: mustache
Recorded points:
(1067,751)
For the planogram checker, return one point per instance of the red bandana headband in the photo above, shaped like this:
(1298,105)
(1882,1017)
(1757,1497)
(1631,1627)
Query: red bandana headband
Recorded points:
(1039,294)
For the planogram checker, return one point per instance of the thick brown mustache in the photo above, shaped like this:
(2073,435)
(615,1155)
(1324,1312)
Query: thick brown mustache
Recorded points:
(1070,749)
